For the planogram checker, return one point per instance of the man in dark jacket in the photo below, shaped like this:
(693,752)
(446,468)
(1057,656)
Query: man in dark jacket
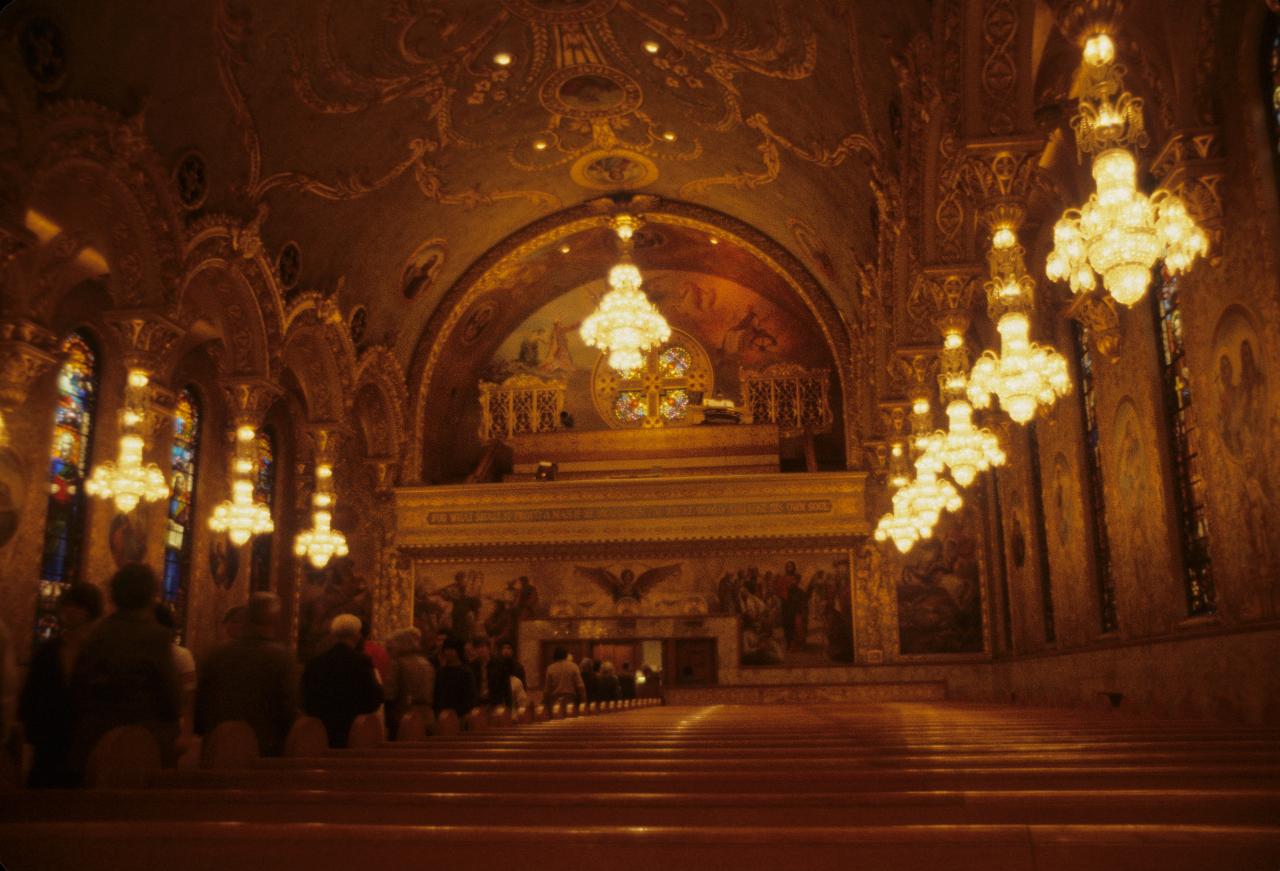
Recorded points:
(252,678)
(627,682)
(455,683)
(339,684)
(125,673)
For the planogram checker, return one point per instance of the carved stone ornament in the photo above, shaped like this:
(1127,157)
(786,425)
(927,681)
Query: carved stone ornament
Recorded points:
(248,399)
(1191,166)
(25,354)
(324,439)
(147,337)
(945,289)
(1002,169)
(1079,18)
(1098,315)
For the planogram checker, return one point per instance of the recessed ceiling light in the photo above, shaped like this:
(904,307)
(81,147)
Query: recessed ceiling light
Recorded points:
(713,240)
(652,47)
(564,249)
(670,136)
(540,144)
(502,59)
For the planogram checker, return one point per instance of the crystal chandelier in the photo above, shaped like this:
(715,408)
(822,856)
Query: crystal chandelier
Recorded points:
(1120,233)
(1024,376)
(918,503)
(963,448)
(625,324)
(241,517)
(321,542)
(127,480)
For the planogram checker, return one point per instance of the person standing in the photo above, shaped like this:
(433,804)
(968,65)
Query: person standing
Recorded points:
(589,680)
(563,682)
(626,683)
(410,683)
(340,684)
(125,673)
(184,663)
(46,707)
(455,683)
(608,687)
(252,678)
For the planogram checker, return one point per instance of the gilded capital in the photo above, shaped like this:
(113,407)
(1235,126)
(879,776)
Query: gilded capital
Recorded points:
(26,352)
(248,400)
(146,336)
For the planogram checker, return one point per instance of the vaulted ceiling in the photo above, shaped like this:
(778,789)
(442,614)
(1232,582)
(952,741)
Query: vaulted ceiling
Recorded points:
(395,141)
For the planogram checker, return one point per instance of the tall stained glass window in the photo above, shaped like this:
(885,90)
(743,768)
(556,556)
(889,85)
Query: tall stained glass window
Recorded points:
(1097,503)
(1042,537)
(264,488)
(179,527)
(1271,81)
(64,525)
(1189,484)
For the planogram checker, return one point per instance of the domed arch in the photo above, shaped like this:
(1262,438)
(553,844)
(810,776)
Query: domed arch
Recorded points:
(457,316)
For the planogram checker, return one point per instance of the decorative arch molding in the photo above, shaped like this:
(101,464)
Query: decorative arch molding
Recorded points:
(115,169)
(318,348)
(252,321)
(379,369)
(502,260)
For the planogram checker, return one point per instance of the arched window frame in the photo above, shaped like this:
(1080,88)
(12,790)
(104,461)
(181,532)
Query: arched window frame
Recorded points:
(660,396)
(70,454)
(264,490)
(1184,448)
(1271,86)
(1108,618)
(180,520)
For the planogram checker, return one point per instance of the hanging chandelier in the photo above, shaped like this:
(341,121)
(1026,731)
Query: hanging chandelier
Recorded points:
(240,516)
(626,323)
(321,542)
(919,502)
(1120,233)
(127,480)
(1024,376)
(963,449)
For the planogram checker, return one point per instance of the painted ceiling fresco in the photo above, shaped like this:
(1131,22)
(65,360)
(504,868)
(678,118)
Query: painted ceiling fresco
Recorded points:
(394,142)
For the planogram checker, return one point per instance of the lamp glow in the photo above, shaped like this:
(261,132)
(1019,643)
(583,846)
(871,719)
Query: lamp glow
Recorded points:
(240,517)
(625,324)
(1120,233)
(321,542)
(127,481)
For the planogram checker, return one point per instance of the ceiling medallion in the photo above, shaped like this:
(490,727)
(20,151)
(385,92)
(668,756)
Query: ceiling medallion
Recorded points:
(614,169)
(191,178)
(560,11)
(43,51)
(590,91)
(289,265)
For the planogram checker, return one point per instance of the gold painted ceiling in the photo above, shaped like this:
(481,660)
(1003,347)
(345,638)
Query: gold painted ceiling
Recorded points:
(396,141)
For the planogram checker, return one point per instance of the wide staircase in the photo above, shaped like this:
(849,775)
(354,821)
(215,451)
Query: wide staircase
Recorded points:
(890,786)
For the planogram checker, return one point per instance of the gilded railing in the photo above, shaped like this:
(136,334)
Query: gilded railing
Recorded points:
(790,396)
(521,404)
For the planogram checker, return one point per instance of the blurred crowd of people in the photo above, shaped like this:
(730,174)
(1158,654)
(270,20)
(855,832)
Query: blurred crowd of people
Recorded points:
(128,668)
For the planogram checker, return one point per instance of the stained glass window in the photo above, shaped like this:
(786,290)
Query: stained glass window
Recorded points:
(673,405)
(661,390)
(1042,538)
(1093,480)
(1189,477)
(674,362)
(264,487)
(1271,81)
(178,528)
(68,467)
(631,406)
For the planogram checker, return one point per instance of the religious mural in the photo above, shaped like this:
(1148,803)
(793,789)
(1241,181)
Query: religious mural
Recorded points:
(127,541)
(737,327)
(1246,427)
(940,591)
(795,609)
(1137,527)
